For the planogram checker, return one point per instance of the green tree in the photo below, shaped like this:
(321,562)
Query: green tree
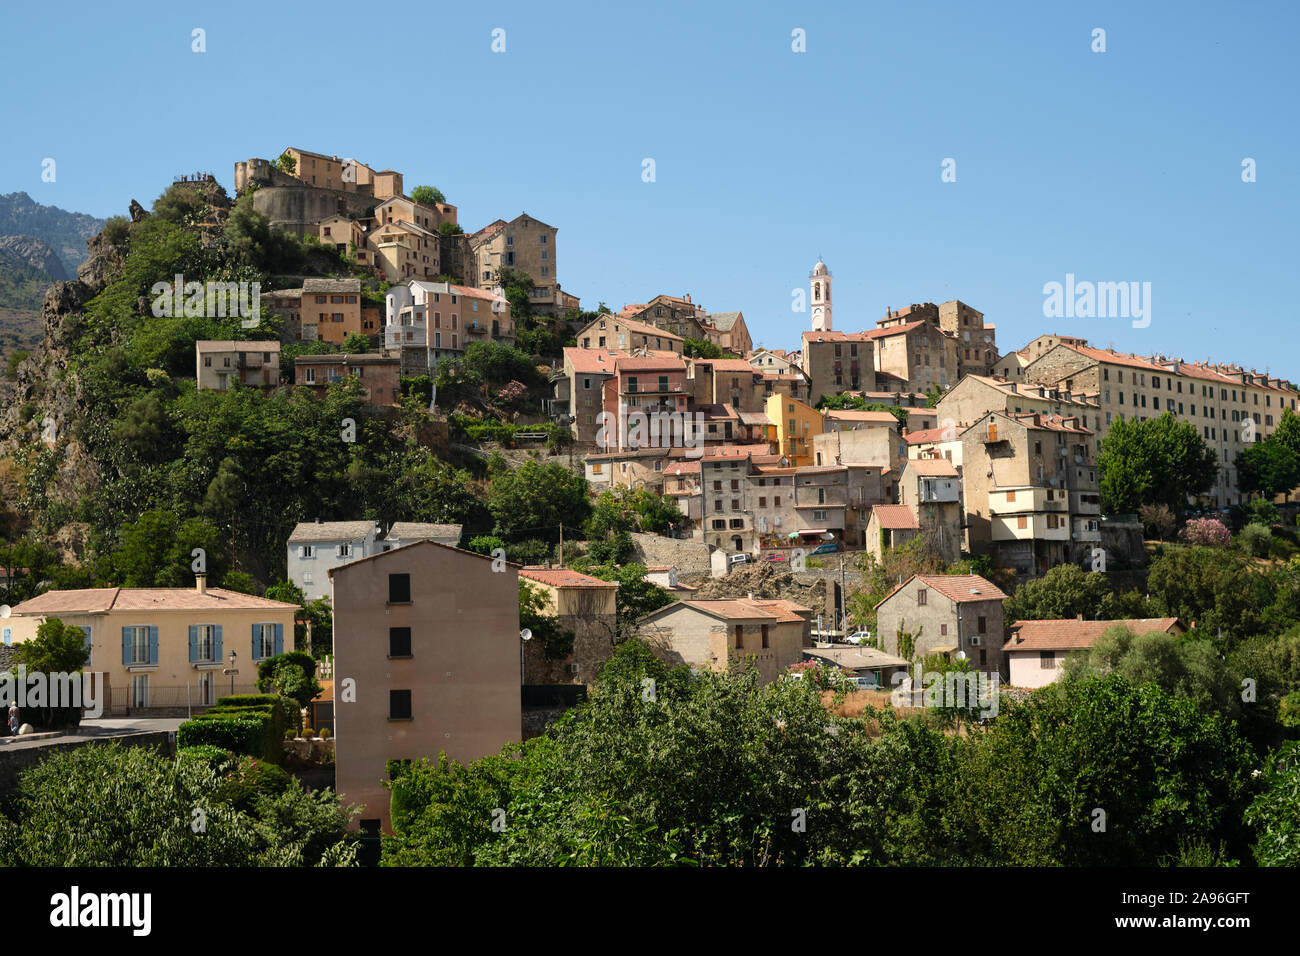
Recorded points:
(134,807)
(556,641)
(292,675)
(427,195)
(1066,591)
(1269,467)
(58,648)
(701,348)
(536,499)
(286,163)
(1156,461)
(356,343)
(636,596)
(1275,813)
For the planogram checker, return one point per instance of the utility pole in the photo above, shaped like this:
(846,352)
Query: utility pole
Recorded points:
(561,544)
(844,621)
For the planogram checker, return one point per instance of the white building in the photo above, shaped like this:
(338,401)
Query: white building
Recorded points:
(316,547)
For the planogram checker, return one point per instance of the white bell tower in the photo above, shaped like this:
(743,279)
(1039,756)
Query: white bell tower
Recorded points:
(819,293)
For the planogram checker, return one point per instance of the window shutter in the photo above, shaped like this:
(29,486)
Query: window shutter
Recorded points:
(153,645)
(9,636)
(302,551)
(257,641)
(279,639)
(126,645)
(89,646)
(338,550)
(194,643)
(216,643)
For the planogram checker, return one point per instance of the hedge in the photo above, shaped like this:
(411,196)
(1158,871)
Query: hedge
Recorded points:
(255,729)
(247,700)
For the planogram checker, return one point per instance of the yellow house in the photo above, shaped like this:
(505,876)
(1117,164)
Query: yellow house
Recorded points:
(164,648)
(797,424)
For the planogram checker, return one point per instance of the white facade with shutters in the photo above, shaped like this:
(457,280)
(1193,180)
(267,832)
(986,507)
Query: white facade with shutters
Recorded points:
(317,547)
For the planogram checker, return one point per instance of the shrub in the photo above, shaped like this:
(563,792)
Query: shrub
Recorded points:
(325,733)
(1255,539)
(308,733)
(214,756)
(248,778)
(242,735)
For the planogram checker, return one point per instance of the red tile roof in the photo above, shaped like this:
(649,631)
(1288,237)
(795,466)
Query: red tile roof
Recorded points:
(895,517)
(956,587)
(1073,634)
(592,361)
(926,436)
(853,415)
(90,600)
(564,578)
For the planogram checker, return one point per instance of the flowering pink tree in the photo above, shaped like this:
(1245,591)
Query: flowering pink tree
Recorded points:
(1209,532)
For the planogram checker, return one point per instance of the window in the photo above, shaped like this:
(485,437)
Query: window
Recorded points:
(1047,660)
(765,643)
(943,630)
(1021,522)
(740,636)
(980,623)
(264,642)
(203,642)
(920,597)
(399,589)
(399,705)
(399,642)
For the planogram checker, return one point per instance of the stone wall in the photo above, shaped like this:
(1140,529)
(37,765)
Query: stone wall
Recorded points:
(300,209)
(681,553)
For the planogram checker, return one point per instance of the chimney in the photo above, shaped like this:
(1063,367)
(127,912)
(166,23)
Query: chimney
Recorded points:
(201,583)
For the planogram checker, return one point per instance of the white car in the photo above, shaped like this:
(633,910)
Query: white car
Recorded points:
(859,637)
(741,558)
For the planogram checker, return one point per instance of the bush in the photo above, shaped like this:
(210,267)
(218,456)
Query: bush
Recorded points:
(242,735)
(213,756)
(308,733)
(325,733)
(1255,539)
(247,779)
(247,700)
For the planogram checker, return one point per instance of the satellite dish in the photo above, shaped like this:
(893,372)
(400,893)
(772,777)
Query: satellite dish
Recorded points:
(526,635)
(961,655)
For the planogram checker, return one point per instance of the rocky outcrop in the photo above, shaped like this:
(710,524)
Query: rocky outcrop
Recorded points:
(36,253)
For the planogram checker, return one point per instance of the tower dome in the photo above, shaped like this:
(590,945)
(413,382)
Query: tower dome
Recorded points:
(819,269)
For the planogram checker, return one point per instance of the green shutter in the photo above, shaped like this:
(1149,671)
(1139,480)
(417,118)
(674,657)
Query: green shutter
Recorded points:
(279,639)
(126,646)
(194,643)
(153,645)
(216,643)
(89,646)
(257,641)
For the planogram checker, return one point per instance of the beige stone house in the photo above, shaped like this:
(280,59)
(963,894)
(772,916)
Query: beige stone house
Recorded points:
(719,635)
(428,660)
(582,604)
(889,526)
(945,614)
(221,364)
(525,244)
(931,489)
(627,335)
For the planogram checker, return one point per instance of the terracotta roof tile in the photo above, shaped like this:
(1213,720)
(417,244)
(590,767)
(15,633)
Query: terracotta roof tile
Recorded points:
(1073,634)
(564,578)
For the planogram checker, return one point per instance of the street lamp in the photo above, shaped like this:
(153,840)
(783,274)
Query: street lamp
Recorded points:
(525,636)
(233,672)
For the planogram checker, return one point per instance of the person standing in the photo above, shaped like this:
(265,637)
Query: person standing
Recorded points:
(14,717)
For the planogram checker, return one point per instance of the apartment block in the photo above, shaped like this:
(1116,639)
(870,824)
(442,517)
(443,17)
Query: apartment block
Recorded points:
(797,425)
(931,489)
(317,547)
(626,335)
(428,638)
(525,244)
(380,376)
(837,362)
(1230,406)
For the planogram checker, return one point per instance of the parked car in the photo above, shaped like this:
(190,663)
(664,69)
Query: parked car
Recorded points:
(859,637)
(738,558)
(830,547)
(866,683)
(774,556)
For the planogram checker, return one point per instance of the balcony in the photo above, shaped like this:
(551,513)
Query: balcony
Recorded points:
(636,388)
(940,490)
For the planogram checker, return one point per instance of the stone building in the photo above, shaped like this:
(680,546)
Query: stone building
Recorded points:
(219,364)
(525,244)
(931,489)
(582,604)
(380,376)
(1030,487)
(837,362)
(945,614)
(976,395)
(724,635)
(627,335)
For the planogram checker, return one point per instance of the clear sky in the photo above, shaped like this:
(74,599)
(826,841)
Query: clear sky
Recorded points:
(1117,166)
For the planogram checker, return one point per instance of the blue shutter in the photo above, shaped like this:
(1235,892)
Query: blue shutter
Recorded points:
(279,639)
(9,636)
(89,645)
(257,641)
(216,643)
(194,643)
(153,645)
(126,646)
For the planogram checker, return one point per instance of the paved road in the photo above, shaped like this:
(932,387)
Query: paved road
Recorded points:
(98,728)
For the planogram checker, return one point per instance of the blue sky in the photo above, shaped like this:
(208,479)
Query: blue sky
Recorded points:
(1115,166)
